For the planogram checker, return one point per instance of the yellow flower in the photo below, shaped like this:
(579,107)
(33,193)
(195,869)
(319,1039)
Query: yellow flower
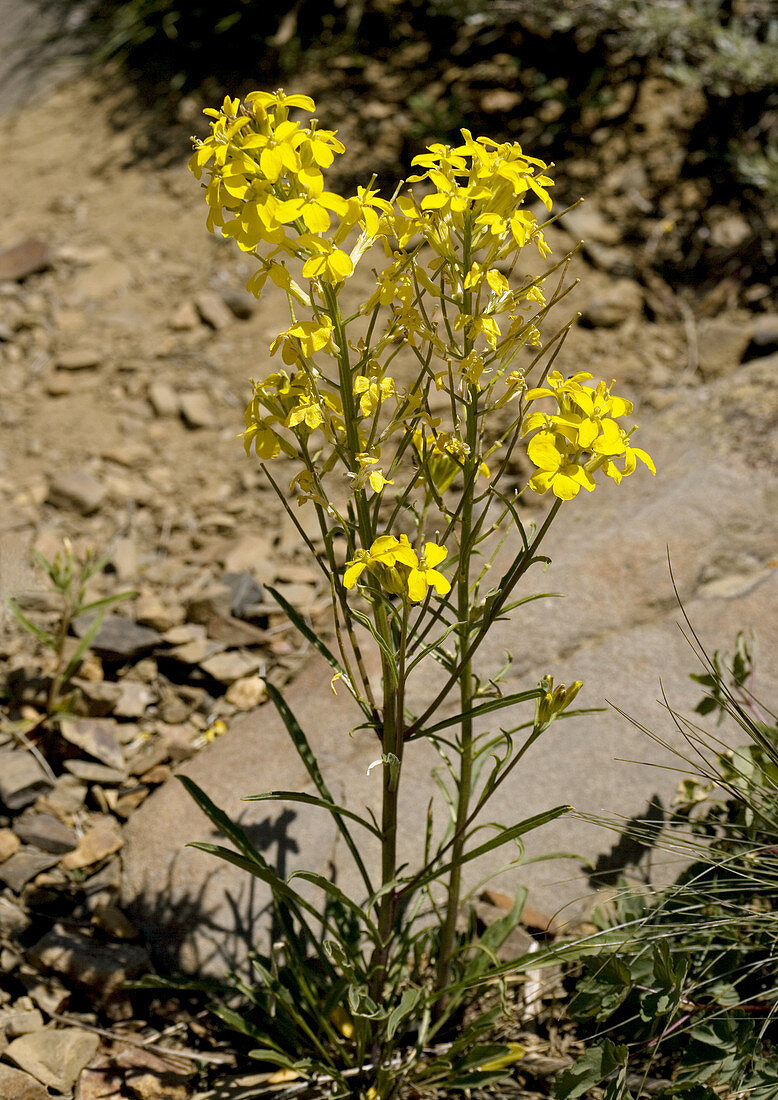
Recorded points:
(327,262)
(369,473)
(306,337)
(372,391)
(385,551)
(558,469)
(424,576)
(307,413)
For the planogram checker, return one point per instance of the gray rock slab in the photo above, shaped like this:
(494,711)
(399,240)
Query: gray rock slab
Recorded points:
(22,779)
(712,505)
(97,737)
(24,865)
(17,1085)
(100,967)
(46,832)
(54,1057)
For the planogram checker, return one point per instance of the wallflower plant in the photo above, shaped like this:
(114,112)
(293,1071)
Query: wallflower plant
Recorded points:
(398,419)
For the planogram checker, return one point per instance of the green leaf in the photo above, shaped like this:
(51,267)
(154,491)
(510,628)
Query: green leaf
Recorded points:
(335,892)
(312,800)
(483,708)
(223,823)
(36,631)
(107,601)
(83,646)
(308,758)
(592,1067)
(261,871)
(311,636)
(407,1003)
(603,990)
(505,836)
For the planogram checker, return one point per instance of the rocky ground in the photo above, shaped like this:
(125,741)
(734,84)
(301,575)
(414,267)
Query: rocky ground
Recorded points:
(126,342)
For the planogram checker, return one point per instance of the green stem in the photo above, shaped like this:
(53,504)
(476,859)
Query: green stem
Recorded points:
(466,683)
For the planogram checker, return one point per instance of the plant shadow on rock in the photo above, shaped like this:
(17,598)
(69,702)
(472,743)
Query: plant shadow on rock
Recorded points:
(225,931)
(634,846)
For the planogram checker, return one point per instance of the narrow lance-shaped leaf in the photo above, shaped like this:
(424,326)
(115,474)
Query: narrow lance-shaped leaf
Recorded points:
(312,800)
(311,636)
(42,635)
(308,758)
(482,708)
(504,837)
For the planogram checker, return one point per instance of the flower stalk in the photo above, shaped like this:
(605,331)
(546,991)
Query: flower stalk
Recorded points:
(354,410)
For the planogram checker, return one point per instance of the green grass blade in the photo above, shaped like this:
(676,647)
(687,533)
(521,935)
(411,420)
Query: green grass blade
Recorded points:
(335,892)
(83,646)
(107,601)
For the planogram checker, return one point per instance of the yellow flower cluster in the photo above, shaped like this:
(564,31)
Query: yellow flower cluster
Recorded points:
(266,187)
(399,569)
(451,294)
(584,425)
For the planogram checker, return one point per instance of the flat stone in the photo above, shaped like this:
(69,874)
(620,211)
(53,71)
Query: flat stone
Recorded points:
(729,231)
(65,797)
(764,334)
(44,831)
(80,491)
(197,409)
(99,967)
(616,260)
(213,309)
(129,454)
(241,304)
(119,637)
(244,591)
(22,779)
(715,492)
(185,317)
(95,736)
(253,554)
(134,699)
(624,299)
(13,919)
(24,259)
(90,772)
(231,665)
(9,843)
(98,842)
(16,1021)
(49,994)
(721,346)
(149,758)
(17,1085)
(78,359)
(24,865)
(151,611)
(132,1070)
(164,399)
(585,222)
(100,696)
(54,1056)
(125,558)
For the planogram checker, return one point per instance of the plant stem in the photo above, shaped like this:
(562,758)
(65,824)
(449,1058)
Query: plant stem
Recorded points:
(448,933)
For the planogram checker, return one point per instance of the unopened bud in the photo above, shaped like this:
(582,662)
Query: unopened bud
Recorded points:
(555,700)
